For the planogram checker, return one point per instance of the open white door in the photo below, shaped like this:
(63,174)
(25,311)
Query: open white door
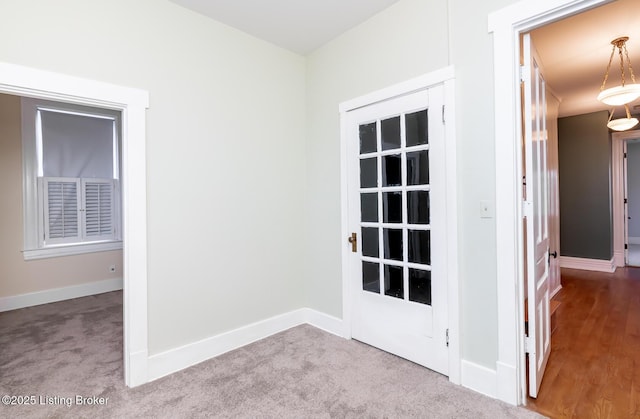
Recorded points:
(536,213)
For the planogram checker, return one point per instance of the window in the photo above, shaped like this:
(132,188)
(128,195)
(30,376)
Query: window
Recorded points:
(71,179)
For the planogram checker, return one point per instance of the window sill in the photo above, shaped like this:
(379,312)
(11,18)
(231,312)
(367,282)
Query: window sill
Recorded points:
(70,250)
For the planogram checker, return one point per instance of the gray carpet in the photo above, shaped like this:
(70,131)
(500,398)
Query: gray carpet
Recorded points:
(57,351)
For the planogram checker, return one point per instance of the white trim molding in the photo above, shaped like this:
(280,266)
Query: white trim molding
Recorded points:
(177,359)
(51,252)
(132,104)
(15,302)
(507,25)
(479,378)
(585,264)
(323,321)
(618,192)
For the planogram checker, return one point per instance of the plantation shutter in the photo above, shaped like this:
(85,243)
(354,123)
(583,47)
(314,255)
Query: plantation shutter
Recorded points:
(62,205)
(99,208)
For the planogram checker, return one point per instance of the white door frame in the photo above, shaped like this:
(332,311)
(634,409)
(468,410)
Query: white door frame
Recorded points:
(29,82)
(507,25)
(444,76)
(618,181)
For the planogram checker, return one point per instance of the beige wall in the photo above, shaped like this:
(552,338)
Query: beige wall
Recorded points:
(18,276)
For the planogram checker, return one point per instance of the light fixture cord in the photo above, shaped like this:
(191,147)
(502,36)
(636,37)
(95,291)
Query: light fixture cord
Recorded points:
(606,74)
(626,108)
(633,77)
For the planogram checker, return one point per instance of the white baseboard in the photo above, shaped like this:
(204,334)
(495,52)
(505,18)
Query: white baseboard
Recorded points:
(15,302)
(618,258)
(588,264)
(507,383)
(633,240)
(138,368)
(324,322)
(479,378)
(174,360)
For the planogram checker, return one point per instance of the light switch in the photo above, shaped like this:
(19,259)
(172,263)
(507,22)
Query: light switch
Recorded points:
(486,209)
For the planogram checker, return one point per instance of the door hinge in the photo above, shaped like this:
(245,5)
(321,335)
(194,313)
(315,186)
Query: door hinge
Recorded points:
(625,200)
(527,209)
(626,246)
(528,347)
(625,155)
(443,118)
(523,74)
(447,337)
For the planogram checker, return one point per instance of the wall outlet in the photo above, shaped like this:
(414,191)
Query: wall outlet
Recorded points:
(112,268)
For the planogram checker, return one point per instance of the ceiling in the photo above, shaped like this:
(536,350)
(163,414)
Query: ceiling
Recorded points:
(300,26)
(574,53)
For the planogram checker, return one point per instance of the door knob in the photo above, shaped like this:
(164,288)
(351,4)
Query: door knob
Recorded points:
(353,239)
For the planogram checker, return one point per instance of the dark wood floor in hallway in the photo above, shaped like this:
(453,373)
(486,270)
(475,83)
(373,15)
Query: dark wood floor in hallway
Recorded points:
(594,366)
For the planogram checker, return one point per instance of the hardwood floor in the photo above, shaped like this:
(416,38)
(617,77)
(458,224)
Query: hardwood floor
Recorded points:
(594,366)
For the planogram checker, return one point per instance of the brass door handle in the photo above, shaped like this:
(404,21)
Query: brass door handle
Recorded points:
(353,239)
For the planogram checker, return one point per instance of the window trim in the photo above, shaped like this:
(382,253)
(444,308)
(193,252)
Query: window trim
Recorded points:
(71,249)
(34,246)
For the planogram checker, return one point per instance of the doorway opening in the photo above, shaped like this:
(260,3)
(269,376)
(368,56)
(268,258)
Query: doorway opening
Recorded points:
(625,192)
(132,103)
(507,25)
(61,230)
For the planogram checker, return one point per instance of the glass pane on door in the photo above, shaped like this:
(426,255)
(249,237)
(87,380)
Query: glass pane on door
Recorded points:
(417,128)
(368,138)
(393,281)
(370,276)
(395,207)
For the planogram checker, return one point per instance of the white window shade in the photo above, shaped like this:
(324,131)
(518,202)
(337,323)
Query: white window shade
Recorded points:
(77,146)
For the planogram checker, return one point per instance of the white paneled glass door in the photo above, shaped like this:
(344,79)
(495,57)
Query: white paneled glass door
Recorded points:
(397,209)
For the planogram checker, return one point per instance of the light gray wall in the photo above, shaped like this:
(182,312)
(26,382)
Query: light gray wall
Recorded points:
(411,38)
(472,54)
(386,49)
(249,134)
(633,187)
(225,151)
(585,186)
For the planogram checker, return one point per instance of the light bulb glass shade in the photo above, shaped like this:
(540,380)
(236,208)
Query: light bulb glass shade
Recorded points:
(622,124)
(620,95)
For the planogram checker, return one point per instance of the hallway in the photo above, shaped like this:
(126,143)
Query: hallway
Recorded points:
(594,367)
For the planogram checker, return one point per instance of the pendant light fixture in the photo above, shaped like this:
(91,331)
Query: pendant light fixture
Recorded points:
(622,124)
(624,93)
